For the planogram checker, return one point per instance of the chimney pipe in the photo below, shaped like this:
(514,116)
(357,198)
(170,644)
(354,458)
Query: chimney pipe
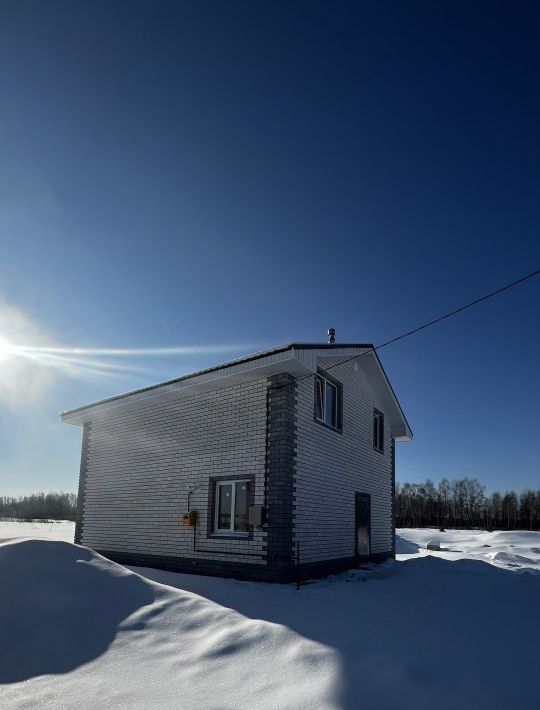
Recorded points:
(331,336)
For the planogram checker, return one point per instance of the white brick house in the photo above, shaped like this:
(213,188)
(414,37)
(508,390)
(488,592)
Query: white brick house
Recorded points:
(289,449)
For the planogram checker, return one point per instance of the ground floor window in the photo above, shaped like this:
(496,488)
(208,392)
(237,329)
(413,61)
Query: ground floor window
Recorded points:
(232,502)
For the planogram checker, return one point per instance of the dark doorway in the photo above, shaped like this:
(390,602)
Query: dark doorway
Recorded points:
(363,526)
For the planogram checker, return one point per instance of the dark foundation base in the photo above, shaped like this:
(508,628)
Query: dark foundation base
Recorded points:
(282,571)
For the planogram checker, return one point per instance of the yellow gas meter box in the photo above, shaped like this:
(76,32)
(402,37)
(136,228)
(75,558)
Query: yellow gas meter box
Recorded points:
(189,519)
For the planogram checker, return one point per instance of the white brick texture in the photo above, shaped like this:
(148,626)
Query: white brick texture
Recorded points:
(142,464)
(332,466)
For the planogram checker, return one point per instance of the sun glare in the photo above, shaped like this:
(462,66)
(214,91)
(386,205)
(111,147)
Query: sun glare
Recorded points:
(4,349)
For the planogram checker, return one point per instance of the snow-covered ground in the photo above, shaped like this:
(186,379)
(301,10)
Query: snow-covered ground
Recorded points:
(438,630)
(515,549)
(50,530)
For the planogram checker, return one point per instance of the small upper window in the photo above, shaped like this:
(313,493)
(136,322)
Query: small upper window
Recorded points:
(232,503)
(326,401)
(378,430)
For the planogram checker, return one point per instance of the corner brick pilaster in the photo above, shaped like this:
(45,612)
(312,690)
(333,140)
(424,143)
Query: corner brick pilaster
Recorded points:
(393,463)
(82,485)
(281,459)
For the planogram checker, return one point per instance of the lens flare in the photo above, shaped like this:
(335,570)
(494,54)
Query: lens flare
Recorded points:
(92,362)
(31,360)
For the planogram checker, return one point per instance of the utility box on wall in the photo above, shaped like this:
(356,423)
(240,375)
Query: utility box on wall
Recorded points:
(189,519)
(256,516)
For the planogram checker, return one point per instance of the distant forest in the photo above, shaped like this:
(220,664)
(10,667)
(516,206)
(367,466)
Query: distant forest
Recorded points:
(450,504)
(464,504)
(45,506)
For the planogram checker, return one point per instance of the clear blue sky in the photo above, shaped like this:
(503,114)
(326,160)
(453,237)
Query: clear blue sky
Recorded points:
(239,174)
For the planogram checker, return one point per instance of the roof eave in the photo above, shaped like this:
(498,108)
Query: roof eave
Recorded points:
(401,430)
(266,364)
(273,361)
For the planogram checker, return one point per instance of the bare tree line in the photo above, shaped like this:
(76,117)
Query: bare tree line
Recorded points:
(457,504)
(40,506)
(463,504)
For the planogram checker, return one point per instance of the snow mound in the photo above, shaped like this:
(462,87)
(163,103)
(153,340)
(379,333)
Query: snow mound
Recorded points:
(65,604)
(513,559)
(510,549)
(80,632)
(68,611)
(406,547)
(424,633)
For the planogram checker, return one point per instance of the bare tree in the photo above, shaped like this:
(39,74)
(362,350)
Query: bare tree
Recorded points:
(45,506)
(463,503)
(529,509)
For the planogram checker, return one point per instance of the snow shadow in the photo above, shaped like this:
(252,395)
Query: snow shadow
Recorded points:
(406,547)
(60,607)
(428,633)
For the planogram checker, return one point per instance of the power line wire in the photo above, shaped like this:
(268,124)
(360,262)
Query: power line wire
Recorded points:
(373,349)
(420,327)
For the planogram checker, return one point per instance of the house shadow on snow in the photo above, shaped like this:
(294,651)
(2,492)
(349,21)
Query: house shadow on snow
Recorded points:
(426,629)
(406,547)
(60,607)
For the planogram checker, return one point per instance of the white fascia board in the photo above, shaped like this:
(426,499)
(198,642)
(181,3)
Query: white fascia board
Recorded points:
(400,428)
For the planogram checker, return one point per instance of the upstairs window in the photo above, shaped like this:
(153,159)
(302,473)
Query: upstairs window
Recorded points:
(232,503)
(378,430)
(326,401)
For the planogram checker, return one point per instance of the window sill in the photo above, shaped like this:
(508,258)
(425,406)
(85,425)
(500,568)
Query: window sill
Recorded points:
(229,536)
(328,426)
(379,451)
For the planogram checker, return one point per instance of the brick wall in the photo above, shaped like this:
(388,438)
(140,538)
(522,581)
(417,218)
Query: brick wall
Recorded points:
(141,464)
(332,466)
(138,467)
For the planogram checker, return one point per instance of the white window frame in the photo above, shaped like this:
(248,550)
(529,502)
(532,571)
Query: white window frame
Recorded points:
(326,382)
(231,482)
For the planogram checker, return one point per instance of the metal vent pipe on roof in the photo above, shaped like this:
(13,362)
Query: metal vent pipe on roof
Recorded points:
(331,335)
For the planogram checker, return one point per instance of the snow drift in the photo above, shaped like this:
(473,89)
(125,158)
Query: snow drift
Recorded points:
(438,629)
(114,639)
(64,605)
(507,549)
